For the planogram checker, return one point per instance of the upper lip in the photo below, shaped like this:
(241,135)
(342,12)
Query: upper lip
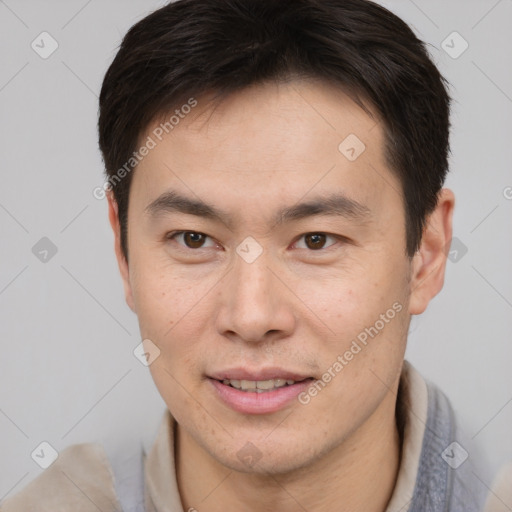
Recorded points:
(257,375)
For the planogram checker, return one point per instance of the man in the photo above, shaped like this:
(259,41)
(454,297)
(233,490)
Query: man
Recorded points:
(275,173)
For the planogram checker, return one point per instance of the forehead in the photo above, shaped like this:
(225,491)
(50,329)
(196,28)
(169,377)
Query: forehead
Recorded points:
(291,119)
(270,142)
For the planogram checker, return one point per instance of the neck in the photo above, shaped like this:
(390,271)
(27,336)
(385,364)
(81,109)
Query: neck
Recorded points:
(358,474)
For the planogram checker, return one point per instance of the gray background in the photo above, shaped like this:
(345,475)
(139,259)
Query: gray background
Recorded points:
(67,371)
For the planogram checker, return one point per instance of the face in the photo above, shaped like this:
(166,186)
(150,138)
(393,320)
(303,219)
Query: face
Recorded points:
(262,254)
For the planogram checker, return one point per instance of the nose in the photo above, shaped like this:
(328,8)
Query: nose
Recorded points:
(255,306)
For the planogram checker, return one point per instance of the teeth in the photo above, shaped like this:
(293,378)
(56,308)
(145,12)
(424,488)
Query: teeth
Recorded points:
(247,384)
(259,386)
(266,384)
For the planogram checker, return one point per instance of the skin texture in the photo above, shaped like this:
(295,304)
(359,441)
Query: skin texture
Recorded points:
(294,307)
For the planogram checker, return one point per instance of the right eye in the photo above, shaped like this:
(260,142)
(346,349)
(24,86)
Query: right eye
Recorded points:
(189,239)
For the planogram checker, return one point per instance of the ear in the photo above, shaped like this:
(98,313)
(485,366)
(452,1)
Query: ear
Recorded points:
(113,215)
(429,262)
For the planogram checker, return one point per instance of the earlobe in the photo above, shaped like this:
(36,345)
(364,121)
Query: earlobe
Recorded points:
(113,215)
(429,262)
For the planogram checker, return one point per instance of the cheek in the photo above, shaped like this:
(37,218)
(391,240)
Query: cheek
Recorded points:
(161,298)
(355,299)
(171,314)
(366,313)
(154,302)
(176,387)
(167,316)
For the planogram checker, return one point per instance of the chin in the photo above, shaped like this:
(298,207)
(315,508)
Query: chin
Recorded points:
(269,464)
(262,457)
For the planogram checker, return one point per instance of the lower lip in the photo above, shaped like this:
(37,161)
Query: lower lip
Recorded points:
(250,402)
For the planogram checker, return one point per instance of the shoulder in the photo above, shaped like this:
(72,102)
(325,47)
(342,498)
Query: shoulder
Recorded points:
(447,476)
(81,479)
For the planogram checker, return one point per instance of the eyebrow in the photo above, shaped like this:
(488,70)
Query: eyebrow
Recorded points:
(330,205)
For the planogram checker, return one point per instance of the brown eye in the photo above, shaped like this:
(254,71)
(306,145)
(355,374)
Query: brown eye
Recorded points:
(190,239)
(315,240)
(193,240)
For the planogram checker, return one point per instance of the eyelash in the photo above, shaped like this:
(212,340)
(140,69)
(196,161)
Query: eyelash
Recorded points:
(172,236)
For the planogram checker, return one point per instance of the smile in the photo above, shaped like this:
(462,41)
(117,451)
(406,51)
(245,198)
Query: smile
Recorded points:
(258,386)
(258,396)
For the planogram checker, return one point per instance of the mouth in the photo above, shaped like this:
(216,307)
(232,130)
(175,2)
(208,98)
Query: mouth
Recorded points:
(264,393)
(261,386)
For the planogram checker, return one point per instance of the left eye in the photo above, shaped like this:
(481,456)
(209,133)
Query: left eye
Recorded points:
(316,241)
